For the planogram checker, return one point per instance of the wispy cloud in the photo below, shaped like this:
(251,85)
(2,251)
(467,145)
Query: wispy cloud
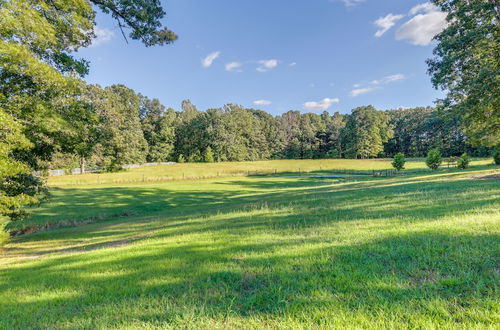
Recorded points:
(350,3)
(262,102)
(292,64)
(361,91)
(266,65)
(102,36)
(376,84)
(385,23)
(209,59)
(233,66)
(324,104)
(389,79)
(426,23)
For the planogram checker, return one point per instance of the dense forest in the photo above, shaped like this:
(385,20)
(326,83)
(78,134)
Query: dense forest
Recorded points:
(128,127)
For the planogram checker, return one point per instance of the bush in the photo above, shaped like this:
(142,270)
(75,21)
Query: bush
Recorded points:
(399,161)
(208,155)
(434,159)
(181,159)
(496,157)
(463,161)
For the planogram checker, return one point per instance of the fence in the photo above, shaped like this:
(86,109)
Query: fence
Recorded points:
(97,169)
(384,173)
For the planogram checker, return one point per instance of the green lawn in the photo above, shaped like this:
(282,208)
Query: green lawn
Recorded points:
(415,251)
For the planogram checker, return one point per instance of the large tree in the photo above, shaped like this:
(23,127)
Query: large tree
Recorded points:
(39,82)
(365,132)
(118,108)
(158,126)
(466,64)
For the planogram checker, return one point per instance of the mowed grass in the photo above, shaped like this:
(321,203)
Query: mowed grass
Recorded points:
(187,171)
(414,251)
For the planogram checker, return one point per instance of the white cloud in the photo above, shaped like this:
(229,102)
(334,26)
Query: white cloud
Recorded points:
(292,64)
(324,104)
(266,65)
(388,79)
(207,61)
(426,7)
(102,36)
(233,66)
(421,29)
(262,102)
(350,3)
(385,23)
(394,77)
(360,91)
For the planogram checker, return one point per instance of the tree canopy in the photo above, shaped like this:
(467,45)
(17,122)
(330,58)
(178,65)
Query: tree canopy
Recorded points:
(42,98)
(466,64)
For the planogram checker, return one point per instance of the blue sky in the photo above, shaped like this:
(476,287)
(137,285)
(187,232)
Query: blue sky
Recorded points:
(276,55)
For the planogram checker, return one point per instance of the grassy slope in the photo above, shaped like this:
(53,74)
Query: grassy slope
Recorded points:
(414,251)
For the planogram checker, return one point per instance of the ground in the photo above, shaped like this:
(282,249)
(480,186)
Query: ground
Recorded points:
(148,249)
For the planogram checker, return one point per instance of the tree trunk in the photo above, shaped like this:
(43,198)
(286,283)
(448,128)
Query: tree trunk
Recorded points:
(82,165)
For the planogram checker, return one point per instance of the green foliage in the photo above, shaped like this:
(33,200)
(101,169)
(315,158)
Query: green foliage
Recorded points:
(181,159)
(18,191)
(42,107)
(416,130)
(496,157)
(434,159)
(466,65)
(399,161)
(365,132)
(118,108)
(158,126)
(208,155)
(142,17)
(463,161)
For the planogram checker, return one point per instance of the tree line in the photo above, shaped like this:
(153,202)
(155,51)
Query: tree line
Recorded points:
(119,126)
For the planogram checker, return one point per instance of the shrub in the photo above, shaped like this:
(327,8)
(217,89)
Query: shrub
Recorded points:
(463,161)
(399,161)
(208,155)
(434,159)
(496,157)
(181,159)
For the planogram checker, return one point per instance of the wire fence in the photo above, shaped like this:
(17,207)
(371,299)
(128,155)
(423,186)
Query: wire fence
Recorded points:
(59,172)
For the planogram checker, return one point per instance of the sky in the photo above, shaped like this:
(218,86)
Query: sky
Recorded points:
(276,55)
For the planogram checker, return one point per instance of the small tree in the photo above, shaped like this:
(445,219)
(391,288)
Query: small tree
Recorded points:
(496,157)
(434,159)
(463,161)
(208,155)
(181,159)
(399,161)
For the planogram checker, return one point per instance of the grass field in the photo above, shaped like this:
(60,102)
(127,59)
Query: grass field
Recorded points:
(212,170)
(415,251)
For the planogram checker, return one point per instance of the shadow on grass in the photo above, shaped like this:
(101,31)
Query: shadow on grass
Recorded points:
(418,275)
(312,201)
